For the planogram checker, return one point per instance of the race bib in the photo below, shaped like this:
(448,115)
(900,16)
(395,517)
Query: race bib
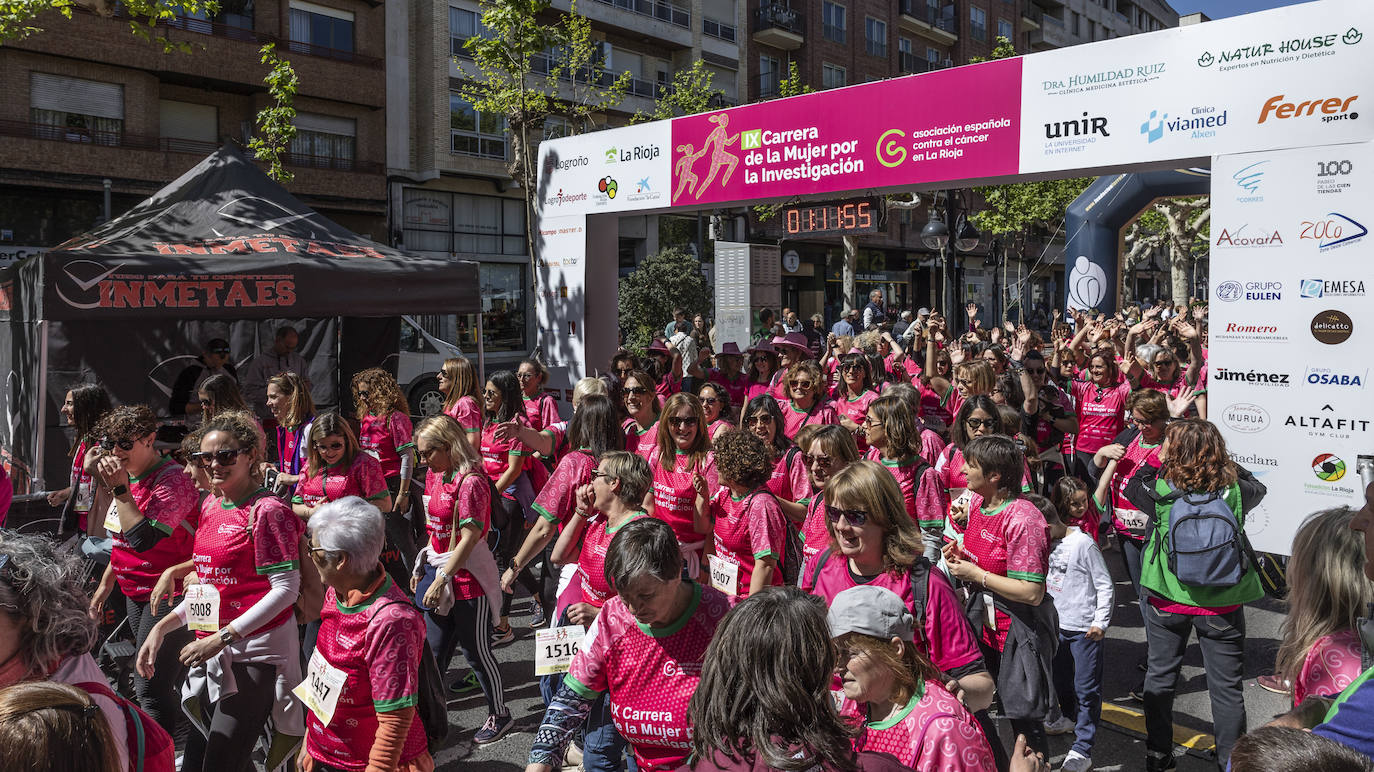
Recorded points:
(85,497)
(1055,581)
(989,612)
(374,453)
(1133,519)
(112,523)
(554,648)
(961,501)
(202,608)
(321,688)
(425,498)
(724,575)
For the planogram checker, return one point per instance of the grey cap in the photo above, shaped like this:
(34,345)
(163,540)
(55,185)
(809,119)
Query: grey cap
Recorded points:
(923,311)
(870,610)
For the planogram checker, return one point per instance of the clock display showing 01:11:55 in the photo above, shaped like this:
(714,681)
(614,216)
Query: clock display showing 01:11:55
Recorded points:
(842,217)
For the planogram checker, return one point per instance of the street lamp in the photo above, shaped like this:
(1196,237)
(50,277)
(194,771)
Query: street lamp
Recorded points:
(935,236)
(966,237)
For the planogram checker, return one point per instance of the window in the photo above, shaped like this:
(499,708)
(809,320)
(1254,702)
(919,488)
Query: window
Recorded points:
(316,29)
(933,55)
(978,23)
(770,76)
(476,133)
(435,221)
(1076,19)
(234,20)
(832,21)
(718,29)
(875,36)
(188,127)
(323,142)
(904,45)
(76,110)
(463,24)
(832,76)
(1004,30)
(555,127)
(503,309)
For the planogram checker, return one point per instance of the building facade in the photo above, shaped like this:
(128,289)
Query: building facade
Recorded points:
(87,104)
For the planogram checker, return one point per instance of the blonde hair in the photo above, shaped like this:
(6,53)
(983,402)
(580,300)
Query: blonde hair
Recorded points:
(868,486)
(443,430)
(56,727)
(1327,588)
(588,386)
(981,376)
(463,379)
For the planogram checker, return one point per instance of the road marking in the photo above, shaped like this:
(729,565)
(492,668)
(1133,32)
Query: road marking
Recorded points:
(1134,720)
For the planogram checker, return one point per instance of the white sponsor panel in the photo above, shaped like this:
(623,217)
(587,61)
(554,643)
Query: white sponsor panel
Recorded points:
(1284,78)
(616,170)
(562,296)
(1291,323)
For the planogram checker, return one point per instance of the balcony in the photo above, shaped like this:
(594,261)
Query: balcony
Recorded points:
(1030,16)
(929,22)
(1051,34)
(302,161)
(780,27)
(911,64)
(122,139)
(718,29)
(666,12)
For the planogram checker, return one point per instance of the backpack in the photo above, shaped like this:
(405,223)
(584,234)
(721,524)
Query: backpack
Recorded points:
(150,748)
(432,707)
(918,573)
(791,560)
(311,598)
(1206,545)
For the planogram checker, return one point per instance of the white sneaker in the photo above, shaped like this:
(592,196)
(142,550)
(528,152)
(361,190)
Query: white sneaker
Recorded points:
(1076,762)
(1062,725)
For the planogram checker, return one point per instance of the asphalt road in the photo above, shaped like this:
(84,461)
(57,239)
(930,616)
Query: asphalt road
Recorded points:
(1120,741)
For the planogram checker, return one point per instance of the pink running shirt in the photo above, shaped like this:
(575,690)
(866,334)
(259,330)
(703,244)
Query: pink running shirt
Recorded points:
(794,418)
(362,478)
(558,498)
(922,488)
(238,546)
(1012,540)
(470,497)
(747,529)
(168,499)
(1101,413)
(933,733)
(384,438)
(674,496)
(468,415)
(1332,664)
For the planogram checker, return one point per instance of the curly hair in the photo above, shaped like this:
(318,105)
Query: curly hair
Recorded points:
(1149,402)
(300,406)
(384,395)
(867,485)
(44,590)
(807,367)
(1197,460)
(765,687)
(127,422)
(243,427)
(743,459)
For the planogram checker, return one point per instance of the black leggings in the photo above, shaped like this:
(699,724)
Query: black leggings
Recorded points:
(236,724)
(506,536)
(159,696)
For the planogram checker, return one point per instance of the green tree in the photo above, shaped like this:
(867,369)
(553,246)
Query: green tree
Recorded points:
(689,94)
(1002,49)
(277,122)
(18,18)
(667,278)
(519,60)
(1181,226)
(792,85)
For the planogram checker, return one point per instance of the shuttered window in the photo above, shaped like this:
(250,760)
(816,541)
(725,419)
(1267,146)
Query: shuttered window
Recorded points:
(186,125)
(76,110)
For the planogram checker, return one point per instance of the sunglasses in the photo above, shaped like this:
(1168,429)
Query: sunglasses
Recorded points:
(425,453)
(981,423)
(223,457)
(363,394)
(682,423)
(851,367)
(856,517)
(802,384)
(822,462)
(758,359)
(598,474)
(491,393)
(109,444)
(332,447)
(624,371)
(525,376)
(220,351)
(1036,370)
(1164,362)
(1141,422)
(637,390)
(759,420)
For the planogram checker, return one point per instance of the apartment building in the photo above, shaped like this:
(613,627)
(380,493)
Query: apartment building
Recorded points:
(1070,22)
(86,101)
(449,185)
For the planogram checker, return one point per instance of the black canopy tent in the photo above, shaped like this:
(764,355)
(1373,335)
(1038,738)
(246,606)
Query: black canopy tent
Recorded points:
(221,250)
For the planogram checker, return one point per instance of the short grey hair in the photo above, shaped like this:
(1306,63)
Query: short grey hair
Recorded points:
(352,526)
(44,590)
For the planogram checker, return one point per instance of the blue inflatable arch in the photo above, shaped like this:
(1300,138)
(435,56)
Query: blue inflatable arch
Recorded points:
(1092,258)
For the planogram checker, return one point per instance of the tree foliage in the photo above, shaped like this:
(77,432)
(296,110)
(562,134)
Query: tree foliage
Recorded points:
(1002,49)
(1181,226)
(667,278)
(792,85)
(1011,209)
(689,94)
(518,63)
(276,123)
(18,18)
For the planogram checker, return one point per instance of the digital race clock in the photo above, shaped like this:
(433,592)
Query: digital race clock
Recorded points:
(856,215)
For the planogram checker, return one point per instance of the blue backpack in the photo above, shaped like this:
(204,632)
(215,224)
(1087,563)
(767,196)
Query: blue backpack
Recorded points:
(1206,545)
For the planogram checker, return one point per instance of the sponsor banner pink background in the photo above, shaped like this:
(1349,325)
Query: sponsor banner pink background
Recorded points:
(954,124)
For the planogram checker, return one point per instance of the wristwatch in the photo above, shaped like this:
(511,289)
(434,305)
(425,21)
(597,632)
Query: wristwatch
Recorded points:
(120,490)
(226,635)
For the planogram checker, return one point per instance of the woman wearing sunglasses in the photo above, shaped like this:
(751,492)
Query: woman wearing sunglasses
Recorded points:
(763,365)
(384,431)
(288,399)
(684,473)
(503,459)
(750,529)
(1137,444)
(855,394)
(806,404)
(152,523)
(457,518)
(336,467)
(894,436)
(872,541)
(715,403)
(978,417)
(458,384)
(1003,557)
(540,407)
(82,407)
(641,408)
(728,372)
(826,452)
(763,418)
(247,655)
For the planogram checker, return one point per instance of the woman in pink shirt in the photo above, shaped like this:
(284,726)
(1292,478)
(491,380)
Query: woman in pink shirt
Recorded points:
(855,394)
(1101,404)
(684,474)
(458,383)
(385,433)
(1327,594)
(750,543)
(641,408)
(763,418)
(715,403)
(829,450)
(763,365)
(728,372)
(896,691)
(541,409)
(83,406)
(805,405)
(894,435)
